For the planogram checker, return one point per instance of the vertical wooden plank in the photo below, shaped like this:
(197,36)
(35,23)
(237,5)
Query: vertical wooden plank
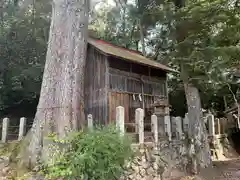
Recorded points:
(107,88)
(126,105)
(114,106)
(109,107)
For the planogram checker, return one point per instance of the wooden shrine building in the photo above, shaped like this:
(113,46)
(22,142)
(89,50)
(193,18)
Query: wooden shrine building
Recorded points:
(117,76)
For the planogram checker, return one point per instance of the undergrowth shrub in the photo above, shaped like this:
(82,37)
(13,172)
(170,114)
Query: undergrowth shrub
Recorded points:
(92,155)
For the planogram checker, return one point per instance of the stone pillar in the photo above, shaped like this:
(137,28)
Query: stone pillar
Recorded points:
(139,115)
(155,128)
(218,126)
(90,122)
(179,127)
(22,128)
(185,123)
(120,119)
(167,122)
(211,125)
(174,127)
(5,126)
(161,110)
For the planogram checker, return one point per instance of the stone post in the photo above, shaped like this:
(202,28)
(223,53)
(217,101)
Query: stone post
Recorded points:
(174,127)
(22,128)
(90,122)
(120,120)
(179,127)
(167,122)
(154,128)
(5,125)
(161,109)
(218,126)
(140,119)
(186,123)
(211,125)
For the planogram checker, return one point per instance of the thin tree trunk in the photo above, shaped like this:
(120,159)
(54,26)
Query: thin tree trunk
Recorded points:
(236,103)
(225,103)
(61,102)
(131,34)
(142,37)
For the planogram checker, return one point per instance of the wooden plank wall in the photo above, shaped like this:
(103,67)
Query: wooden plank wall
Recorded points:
(95,86)
(130,104)
(121,81)
(125,89)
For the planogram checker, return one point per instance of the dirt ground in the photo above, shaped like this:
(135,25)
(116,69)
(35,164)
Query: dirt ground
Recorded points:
(221,170)
(228,169)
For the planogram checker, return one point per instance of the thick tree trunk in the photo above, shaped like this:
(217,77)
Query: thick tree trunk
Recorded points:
(61,102)
(199,147)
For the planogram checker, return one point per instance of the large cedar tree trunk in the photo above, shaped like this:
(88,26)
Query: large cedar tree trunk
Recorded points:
(61,102)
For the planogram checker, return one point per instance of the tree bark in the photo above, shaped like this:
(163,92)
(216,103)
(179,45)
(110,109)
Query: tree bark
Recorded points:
(60,109)
(142,37)
(199,147)
(237,105)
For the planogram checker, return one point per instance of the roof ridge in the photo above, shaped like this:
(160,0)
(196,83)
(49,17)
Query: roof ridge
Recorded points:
(117,46)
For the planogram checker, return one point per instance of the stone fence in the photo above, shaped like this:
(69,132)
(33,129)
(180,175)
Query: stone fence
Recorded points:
(173,128)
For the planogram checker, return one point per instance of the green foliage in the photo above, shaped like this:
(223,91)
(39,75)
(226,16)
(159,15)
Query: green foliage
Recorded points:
(92,155)
(203,36)
(23,44)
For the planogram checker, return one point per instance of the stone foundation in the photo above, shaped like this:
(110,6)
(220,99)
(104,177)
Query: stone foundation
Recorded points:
(159,162)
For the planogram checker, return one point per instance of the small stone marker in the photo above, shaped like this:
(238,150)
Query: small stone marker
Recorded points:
(5,125)
(186,123)
(179,127)
(22,128)
(211,125)
(167,123)
(90,121)
(140,119)
(154,123)
(120,119)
